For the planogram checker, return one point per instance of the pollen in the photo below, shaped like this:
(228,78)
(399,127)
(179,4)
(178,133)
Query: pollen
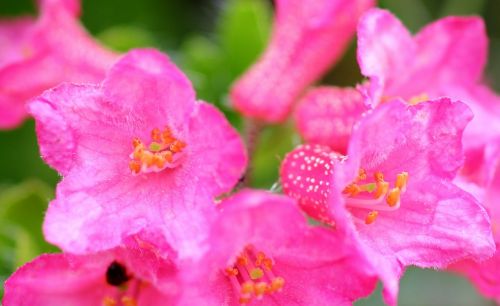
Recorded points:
(109,301)
(371,217)
(129,301)
(163,151)
(375,196)
(253,276)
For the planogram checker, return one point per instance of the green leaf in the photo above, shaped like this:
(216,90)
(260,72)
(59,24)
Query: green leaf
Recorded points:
(126,37)
(244,29)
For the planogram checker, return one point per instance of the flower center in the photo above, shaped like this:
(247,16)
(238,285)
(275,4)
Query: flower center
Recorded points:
(375,195)
(116,275)
(252,276)
(163,151)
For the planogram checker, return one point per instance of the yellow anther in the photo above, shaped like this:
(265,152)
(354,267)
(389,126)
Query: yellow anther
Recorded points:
(247,287)
(256,273)
(402,180)
(371,217)
(260,289)
(382,188)
(129,301)
(277,283)
(393,197)
(109,301)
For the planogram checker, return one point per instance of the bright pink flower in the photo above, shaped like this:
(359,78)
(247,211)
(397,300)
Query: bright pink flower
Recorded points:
(38,54)
(485,275)
(127,275)
(446,58)
(136,152)
(326,115)
(308,37)
(393,193)
(261,247)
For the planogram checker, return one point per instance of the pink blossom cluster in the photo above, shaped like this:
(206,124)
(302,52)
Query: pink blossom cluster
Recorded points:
(401,170)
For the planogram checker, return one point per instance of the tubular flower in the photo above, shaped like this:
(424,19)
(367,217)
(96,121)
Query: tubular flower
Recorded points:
(393,192)
(36,55)
(326,115)
(131,275)
(137,151)
(308,37)
(446,58)
(263,252)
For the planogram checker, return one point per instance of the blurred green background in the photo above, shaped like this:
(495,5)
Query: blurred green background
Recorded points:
(213,41)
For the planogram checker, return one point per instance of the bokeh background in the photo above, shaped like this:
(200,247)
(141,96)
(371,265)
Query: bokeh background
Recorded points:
(213,41)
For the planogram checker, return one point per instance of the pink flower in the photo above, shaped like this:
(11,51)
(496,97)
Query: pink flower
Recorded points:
(131,275)
(326,115)
(261,248)
(485,275)
(308,37)
(446,58)
(38,54)
(135,152)
(393,193)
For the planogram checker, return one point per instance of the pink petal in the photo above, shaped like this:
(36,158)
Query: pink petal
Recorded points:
(385,51)
(326,115)
(308,37)
(452,50)
(147,84)
(318,266)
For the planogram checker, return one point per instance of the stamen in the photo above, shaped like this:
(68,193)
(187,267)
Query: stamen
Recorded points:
(252,276)
(377,196)
(371,217)
(129,301)
(393,197)
(162,152)
(109,301)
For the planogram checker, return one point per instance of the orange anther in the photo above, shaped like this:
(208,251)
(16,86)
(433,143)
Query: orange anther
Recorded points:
(156,134)
(244,300)
(352,189)
(108,301)
(382,188)
(268,264)
(158,160)
(361,175)
(177,146)
(168,156)
(129,301)
(247,287)
(136,142)
(260,289)
(371,217)
(402,180)
(277,283)
(242,260)
(379,177)
(134,166)
(260,258)
(393,197)
(138,151)
(231,271)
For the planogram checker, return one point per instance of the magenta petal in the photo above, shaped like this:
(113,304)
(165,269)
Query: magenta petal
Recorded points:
(326,115)
(308,37)
(146,83)
(451,45)
(385,50)
(318,266)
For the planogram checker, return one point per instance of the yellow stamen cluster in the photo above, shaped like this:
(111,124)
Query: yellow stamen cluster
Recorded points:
(379,189)
(160,152)
(253,271)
